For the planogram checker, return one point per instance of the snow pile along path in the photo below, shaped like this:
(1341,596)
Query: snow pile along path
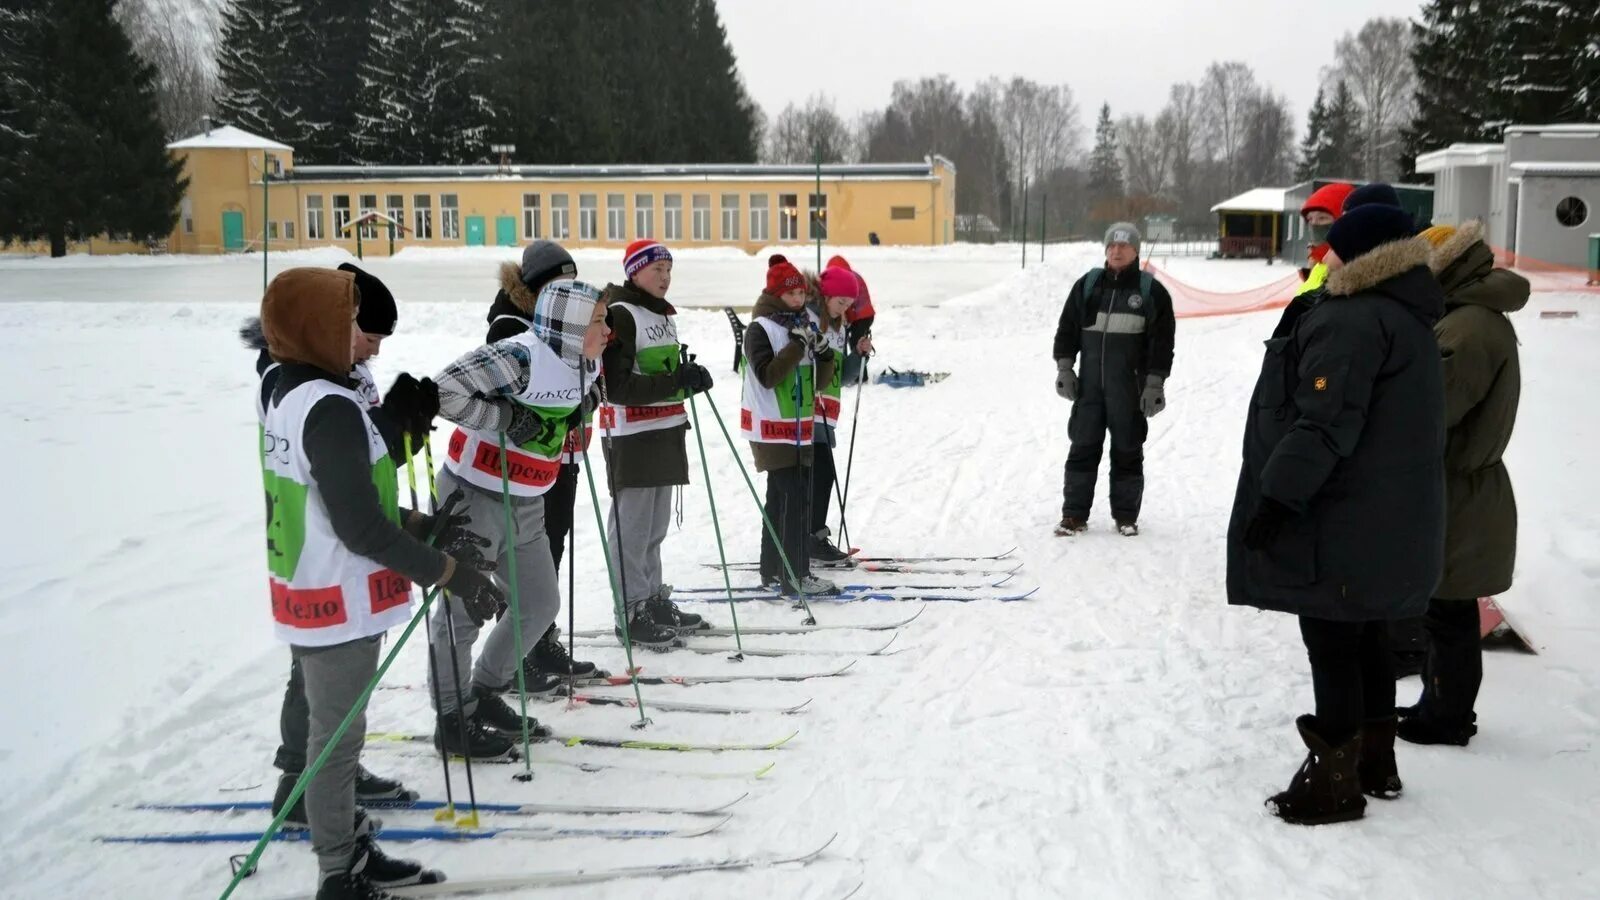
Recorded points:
(1113,736)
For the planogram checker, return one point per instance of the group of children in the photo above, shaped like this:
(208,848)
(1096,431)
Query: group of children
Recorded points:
(343,553)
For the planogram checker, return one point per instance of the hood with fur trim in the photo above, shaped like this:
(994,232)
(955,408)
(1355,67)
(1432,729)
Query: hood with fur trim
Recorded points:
(251,335)
(514,292)
(1465,267)
(1398,271)
(307,316)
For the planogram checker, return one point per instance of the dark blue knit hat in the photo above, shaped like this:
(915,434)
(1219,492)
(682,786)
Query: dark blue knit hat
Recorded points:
(1376,192)
(377,314)
(1363,229)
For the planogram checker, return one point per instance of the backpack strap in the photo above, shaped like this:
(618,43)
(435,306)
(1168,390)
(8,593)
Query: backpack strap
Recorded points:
(1090,279)
(1146,280)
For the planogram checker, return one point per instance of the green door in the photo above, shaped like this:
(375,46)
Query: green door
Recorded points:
(505,231)
(232,231)
(474,231)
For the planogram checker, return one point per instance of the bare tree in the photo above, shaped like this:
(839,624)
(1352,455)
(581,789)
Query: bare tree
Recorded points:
(177,38)
(1179,128)
(1226,94)
(801,134)
(1267,152)
(1376,63)
(1146,157)
(1038,125)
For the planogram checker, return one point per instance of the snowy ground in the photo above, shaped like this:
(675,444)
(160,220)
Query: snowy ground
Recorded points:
(1113,737)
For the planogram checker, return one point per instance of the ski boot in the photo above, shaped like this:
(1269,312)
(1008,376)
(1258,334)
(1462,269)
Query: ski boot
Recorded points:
(1327,788)
(667,611)
(1070,526)
(550,657)
(375,790)
(482,742)
(498,715)
(824,553)
(649,628)
(387,872)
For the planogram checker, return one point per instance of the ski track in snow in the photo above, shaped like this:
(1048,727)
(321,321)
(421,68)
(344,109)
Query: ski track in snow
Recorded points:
(1113,736)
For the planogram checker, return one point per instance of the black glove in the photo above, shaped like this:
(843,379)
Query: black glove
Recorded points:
(412,403)
(429,410)
(453,535)
(478,595)
(693,378)
(1265,523)
(527,425)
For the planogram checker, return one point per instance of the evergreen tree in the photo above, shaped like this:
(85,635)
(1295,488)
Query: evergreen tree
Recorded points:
(723,123)
(1314,147)
(419,101)
(265,72)
(1105,170)
(340,37)
(90,157)
(1343,142)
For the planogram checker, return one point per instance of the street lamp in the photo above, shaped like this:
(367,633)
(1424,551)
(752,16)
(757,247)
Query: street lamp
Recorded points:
(505,151)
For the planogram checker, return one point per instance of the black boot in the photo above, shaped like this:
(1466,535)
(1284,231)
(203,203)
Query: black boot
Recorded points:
(374,790)
(1428,729)
(667,611)
(497,714)
(386,871)
(650,628)
(549,657)
(1327,788)
(1380,776)
(297,814)
(482,742)
(824,552)
(535,681)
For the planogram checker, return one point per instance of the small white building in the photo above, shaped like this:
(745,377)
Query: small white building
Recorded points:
(1538,193)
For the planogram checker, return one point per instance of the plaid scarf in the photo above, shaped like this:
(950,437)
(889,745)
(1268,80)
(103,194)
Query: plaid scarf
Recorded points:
(561,315)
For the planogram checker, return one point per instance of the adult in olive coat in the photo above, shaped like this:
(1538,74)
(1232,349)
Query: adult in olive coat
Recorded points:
(1339,514)
(1482,385)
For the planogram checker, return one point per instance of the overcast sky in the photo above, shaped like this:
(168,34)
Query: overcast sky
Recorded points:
(1124,53)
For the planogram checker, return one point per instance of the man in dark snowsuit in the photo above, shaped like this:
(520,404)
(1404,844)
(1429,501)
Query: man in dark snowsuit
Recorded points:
(1119,321)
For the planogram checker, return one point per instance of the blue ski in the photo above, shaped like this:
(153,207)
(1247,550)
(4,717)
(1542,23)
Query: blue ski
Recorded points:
(418,834)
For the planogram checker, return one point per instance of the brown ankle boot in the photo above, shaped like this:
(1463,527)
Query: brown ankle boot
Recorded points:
(1327,788)
(1380,776)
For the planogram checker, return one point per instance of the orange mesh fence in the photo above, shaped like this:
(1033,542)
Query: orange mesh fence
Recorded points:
(1548,276)
(1190,302)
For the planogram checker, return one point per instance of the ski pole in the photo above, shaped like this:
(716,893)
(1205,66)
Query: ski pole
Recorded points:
(619,604)
(470,820)
(448,814)
(766,520)
(516,612)
(572,587)
(850,459)
(811,470)
(716,526)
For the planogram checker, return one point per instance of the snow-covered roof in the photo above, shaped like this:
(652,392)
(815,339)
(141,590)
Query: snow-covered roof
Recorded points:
(227,137)
(1585,169)
(1254,200)
(1457,155)
(1591,129)
(921,171)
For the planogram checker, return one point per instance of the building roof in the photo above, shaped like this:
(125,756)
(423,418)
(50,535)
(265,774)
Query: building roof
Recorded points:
(1458,155)
(1581,169)
(685,172)
(1254,200)
(1590,129)
(227,137)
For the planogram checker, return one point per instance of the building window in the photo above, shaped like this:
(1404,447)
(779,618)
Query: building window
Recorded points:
(369,203)
(560,217)
(186,211)
(531,226)
(644,216)
(395,208)
(902,212)
(730,217)
(272,230)
(422,217)
(788,217)
(314,217)
(760,217)
(616,218)
(341,215)
(1572,212)
(818,216)
(701,217)
(588,217)
(672,215)
(449,217)
(288,229)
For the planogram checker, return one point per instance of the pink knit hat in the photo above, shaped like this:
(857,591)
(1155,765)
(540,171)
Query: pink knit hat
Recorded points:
(840,282)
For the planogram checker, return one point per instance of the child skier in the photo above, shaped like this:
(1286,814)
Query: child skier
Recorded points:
(783,351)
(341,564)
(525,390)
(643,425)
(860,317)
(543,262)
(839,289)
(407,408)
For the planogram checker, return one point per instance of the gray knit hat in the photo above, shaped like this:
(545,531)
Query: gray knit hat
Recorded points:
(1124,233)
(545,261)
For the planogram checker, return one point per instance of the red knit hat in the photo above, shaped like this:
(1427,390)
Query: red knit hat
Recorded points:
(1329,199)
(782,276)
(642,253)
(838,262)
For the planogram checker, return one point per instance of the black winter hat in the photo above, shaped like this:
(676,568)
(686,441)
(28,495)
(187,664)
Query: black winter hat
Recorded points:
(545,261)
(1376,192)
(1360,231)
(377,314)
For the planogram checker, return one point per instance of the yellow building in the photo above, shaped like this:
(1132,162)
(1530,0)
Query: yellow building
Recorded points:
(230,207)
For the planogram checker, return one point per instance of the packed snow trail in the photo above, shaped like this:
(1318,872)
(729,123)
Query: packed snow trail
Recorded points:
(1113,736)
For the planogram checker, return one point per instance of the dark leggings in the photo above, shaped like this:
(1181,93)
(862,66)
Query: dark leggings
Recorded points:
(1352,674)
(1454,667)
(823,476)
(558,503)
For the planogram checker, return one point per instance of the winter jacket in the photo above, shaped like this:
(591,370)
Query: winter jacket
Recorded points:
(770,369)
(1116,336)
(648,458)
(1482,384)
(512,306)
(1346,429)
